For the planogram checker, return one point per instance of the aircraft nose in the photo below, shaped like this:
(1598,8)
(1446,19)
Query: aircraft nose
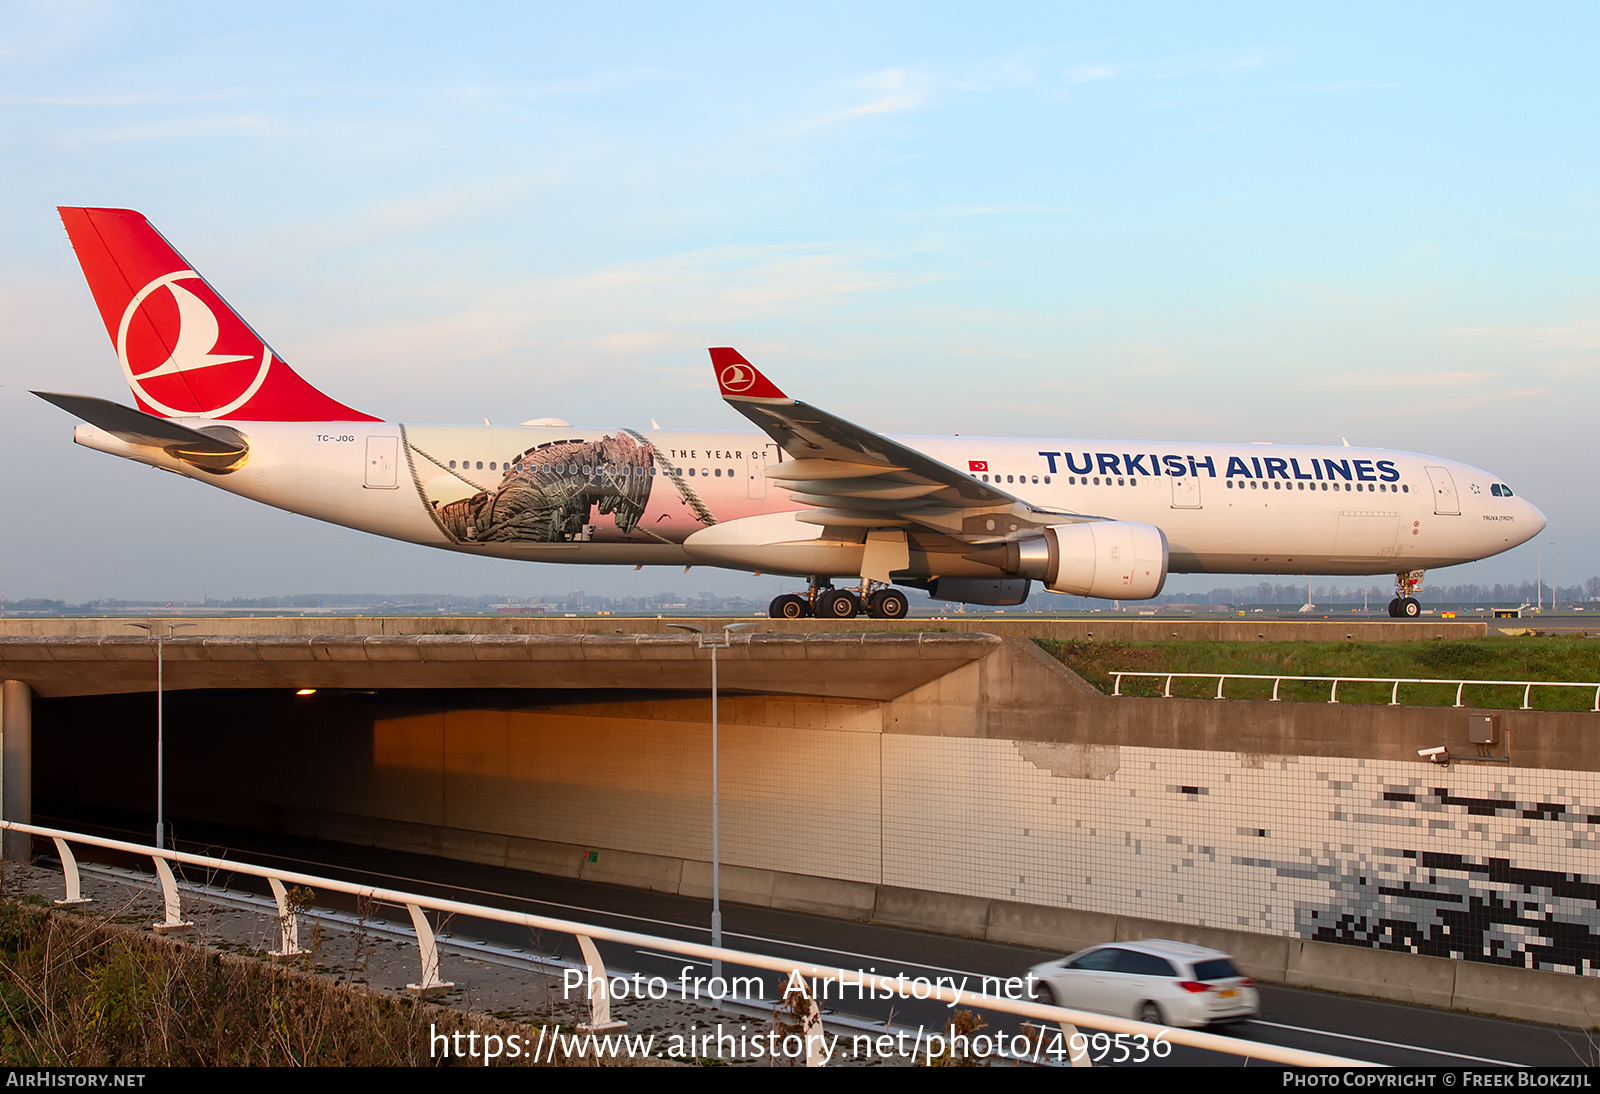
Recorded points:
(1536,519)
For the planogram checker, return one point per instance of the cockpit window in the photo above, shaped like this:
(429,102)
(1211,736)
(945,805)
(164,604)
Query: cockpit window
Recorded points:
(1500,490)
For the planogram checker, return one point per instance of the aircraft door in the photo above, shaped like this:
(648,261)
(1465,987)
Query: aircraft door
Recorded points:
(383,461)
(1446,503)
(1186,492)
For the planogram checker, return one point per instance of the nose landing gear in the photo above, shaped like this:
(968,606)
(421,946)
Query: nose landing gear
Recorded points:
(822,600)
(1405,605)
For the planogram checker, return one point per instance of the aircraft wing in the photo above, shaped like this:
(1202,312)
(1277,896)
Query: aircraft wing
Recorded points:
(855,478)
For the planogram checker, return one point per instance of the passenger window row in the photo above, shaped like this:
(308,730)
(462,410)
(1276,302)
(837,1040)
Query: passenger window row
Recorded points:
(1381,487)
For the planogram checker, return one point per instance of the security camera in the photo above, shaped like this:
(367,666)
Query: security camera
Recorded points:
(1438,755)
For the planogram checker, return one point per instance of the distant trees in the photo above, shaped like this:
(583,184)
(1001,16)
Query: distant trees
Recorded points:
(1376,591)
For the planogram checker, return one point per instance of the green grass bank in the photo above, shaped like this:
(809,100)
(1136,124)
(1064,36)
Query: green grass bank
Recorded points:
(1526,657)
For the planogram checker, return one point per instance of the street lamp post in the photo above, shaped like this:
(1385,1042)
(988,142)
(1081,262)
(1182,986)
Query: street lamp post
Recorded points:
(150,629)
(716,805)
(1553,596)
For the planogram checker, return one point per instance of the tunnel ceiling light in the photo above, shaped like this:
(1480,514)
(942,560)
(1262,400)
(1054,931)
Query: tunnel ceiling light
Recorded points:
(306,691)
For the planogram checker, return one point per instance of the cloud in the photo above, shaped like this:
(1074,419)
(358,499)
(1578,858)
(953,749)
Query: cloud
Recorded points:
(1358,85)
(627,342)
(669,300)
(898,91)
(1174,68)
(1438,381)
(181,128)
(1580,337)
(1446,403)
(142,98)
(1084,74)
(605,82)
(1016,70)
(902,88)
(995,210)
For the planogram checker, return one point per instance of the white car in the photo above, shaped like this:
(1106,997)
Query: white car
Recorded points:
(1164,983)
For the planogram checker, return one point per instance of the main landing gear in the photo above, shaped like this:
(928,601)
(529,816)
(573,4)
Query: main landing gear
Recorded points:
(822,600)
(1405,605)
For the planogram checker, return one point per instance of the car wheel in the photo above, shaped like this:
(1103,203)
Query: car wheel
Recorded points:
(1152,1014)
(1043,993)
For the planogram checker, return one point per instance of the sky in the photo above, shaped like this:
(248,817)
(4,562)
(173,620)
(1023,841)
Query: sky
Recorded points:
(1227,222)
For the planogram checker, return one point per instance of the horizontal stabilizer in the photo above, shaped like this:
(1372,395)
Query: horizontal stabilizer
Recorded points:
(137,427)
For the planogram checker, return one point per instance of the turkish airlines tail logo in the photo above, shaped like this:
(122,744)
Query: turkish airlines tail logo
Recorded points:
(183,350)
(738,378)
(166,343)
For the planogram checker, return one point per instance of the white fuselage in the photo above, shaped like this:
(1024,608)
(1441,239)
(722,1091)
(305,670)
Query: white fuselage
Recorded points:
(1242,508)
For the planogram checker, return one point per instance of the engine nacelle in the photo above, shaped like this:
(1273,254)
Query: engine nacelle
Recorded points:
(1110,559)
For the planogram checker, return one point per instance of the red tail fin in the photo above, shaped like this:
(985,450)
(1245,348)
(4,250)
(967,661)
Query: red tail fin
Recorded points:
(184,351)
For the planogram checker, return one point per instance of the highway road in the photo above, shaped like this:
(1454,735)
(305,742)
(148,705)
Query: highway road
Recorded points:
(1349,1026)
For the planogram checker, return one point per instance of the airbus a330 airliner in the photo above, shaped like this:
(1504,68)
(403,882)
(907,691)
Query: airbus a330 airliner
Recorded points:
(811,495)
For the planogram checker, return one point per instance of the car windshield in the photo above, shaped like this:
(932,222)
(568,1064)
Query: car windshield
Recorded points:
(1219,969)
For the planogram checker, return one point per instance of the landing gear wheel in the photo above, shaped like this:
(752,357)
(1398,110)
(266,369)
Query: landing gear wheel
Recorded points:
(1410,607)
(1394,608)
(888,604)
(837,604)
(789,606)
(1151,1013)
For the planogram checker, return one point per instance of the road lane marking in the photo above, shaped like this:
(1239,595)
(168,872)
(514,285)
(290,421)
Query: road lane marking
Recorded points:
(1390,1044)
(675,957)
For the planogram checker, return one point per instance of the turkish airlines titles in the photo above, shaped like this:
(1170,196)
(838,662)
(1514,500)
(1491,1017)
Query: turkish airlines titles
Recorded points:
(1247,467)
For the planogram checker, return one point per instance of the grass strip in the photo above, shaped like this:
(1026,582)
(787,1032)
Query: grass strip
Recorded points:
(1528,657)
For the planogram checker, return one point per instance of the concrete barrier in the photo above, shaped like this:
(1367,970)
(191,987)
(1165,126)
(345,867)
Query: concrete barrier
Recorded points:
(1557,998)
(824,896)
(654,872)
(1386,974)
(1062,930)
(942,913)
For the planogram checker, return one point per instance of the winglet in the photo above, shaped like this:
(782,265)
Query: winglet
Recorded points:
(739,379)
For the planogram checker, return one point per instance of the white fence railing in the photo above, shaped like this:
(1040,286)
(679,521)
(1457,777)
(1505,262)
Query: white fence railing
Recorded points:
(598,982)
(1222,678)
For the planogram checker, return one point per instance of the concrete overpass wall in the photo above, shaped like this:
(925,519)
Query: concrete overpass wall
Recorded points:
(964,783)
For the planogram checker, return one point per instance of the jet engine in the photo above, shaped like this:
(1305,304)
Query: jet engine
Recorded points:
(1110,559)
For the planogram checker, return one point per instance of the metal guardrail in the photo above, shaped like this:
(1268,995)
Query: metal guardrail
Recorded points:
(1527,686)
(597,981)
